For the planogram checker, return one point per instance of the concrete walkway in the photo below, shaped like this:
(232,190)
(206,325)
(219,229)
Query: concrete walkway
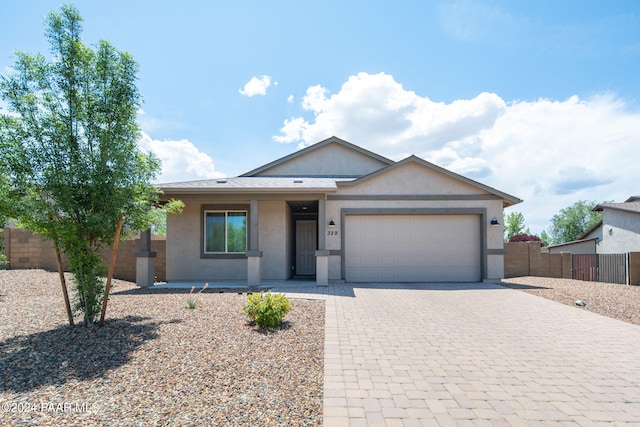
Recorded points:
(478,354)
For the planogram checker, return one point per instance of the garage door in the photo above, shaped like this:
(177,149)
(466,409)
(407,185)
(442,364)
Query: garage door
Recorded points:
(412,248)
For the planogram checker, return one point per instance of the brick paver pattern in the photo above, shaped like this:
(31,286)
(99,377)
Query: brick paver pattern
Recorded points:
(473,354)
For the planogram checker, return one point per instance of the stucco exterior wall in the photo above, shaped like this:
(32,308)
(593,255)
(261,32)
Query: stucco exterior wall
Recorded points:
(184,261)
(330,160)
(273,239)
(621,232)
(185,243)
(411,179)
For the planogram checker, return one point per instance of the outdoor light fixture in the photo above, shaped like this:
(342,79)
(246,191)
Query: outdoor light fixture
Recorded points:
(494,221)
(332,224)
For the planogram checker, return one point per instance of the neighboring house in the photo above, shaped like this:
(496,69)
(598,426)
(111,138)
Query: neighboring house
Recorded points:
(620,227)
(618,232)
(583,246)
(335,211)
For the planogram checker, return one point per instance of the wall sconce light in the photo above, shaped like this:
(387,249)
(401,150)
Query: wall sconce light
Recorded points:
(332,225)
(494,221)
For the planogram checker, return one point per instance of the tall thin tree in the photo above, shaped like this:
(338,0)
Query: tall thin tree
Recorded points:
(69,146)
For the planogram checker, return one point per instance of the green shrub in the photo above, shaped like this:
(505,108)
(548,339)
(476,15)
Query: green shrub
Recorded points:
(267,309)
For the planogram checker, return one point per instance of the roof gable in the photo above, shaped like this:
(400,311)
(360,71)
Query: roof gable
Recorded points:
(332,157)
(414,175)
(632,205)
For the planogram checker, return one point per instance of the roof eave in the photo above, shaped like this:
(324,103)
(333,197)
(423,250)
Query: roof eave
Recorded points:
(187,190)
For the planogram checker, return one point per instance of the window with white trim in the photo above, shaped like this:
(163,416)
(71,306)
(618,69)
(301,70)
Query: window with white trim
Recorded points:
(225,232)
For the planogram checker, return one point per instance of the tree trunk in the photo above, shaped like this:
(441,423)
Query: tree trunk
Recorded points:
(112,267)
(63,283)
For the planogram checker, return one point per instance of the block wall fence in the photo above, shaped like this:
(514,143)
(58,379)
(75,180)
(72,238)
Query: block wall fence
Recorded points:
(25,250)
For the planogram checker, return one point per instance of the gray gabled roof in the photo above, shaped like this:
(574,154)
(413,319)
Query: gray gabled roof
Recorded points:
(632,207)
(316,146)
(508,200)
(248,182)
(251,184)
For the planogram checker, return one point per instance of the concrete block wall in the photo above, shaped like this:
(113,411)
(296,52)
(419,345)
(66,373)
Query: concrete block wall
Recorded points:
(528,259)
(567,266)
(516,259)
(25,250)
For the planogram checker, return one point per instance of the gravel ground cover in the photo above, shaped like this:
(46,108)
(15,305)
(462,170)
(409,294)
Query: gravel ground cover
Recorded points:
(620,302)
(155,362)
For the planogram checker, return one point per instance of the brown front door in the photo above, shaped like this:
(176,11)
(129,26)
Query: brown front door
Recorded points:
(306,244)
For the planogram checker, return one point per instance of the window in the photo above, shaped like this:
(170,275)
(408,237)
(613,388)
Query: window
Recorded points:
(225,231)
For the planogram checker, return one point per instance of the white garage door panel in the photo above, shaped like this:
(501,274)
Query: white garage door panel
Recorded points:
(412,248)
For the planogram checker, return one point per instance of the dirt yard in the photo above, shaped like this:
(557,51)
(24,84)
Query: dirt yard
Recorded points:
(155,362)
(620,302)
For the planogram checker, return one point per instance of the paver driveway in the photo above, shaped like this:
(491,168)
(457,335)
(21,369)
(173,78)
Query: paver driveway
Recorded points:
(477,354)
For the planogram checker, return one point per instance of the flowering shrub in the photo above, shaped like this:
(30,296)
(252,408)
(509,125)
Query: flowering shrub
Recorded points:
(524,237)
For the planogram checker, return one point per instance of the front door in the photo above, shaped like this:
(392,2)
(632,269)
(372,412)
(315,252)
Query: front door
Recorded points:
(306,244)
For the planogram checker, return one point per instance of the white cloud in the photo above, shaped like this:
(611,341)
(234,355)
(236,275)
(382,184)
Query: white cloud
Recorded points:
(290,99)
(154,124)
(550,153)
(181,160)
(256,86)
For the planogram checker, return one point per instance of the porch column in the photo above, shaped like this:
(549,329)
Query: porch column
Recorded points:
(322,222)
(322,268)
(253,225)
(145,260)
(254,259)
(254,256)
(322,255)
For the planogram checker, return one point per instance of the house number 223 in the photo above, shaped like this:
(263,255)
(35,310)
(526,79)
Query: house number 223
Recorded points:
(332,233)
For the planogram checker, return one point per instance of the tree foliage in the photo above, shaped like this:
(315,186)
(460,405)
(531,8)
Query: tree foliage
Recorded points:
(69,150)
(513,224)
(572,222)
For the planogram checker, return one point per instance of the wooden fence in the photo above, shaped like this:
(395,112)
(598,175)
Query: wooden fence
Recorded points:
(609,268)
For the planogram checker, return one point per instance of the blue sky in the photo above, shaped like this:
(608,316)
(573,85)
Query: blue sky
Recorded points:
(539,99)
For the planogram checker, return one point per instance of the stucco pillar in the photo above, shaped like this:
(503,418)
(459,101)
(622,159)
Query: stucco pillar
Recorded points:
(253,225)
(322,255)
(322,222)
(145,260)
(322,268)
(254,259)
